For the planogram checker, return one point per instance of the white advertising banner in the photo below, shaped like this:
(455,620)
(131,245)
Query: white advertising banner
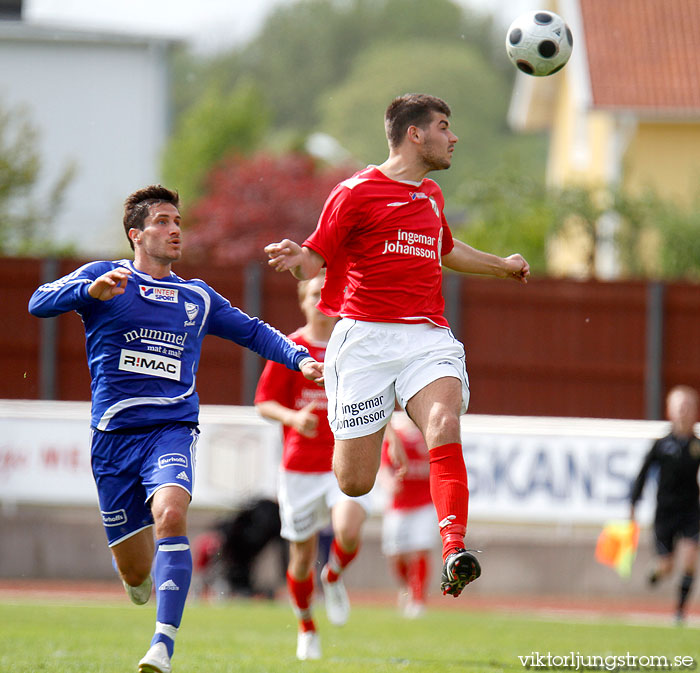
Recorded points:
(556,470)
(552,470)
(45,455)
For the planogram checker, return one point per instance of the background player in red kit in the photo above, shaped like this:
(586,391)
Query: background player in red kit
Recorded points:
(309,496)
(384,239)
(408,526)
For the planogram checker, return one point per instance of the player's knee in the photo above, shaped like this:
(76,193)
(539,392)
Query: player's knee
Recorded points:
(443,428)
(348,539)
(171,521)
(354,485)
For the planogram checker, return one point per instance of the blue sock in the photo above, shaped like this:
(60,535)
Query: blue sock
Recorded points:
(172,573)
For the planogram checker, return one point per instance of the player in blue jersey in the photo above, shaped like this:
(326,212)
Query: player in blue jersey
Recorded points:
(144,328)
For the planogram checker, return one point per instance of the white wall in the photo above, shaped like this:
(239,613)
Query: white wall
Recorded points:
(97,100)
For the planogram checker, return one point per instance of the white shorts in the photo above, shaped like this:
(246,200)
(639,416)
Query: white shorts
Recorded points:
(369,365)
(407,530)
(306,500)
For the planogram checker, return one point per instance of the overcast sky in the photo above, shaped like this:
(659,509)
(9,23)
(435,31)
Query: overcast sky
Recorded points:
(209,24)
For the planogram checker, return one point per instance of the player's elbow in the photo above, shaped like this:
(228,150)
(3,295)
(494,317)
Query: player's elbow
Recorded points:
(36,309)
(263,408)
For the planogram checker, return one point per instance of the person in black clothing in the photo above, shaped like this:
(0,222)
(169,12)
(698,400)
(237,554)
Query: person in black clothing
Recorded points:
(677,519)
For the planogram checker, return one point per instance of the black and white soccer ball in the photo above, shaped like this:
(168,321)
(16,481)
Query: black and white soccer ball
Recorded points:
(539,43)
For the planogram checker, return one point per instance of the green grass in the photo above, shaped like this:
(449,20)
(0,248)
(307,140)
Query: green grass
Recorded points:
(260,637)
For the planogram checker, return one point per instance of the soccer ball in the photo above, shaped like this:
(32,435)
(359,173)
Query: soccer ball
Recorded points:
(539,43)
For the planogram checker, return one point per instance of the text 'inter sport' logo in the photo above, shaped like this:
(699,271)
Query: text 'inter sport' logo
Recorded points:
(149,364)
(163,294)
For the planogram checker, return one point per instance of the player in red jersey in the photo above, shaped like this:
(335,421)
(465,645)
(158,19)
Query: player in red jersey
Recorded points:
(309,496)
(384,239)
(408,526)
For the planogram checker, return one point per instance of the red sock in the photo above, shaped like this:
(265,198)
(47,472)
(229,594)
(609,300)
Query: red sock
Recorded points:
(301,593)
(450,494)
(417,576)
(338,559)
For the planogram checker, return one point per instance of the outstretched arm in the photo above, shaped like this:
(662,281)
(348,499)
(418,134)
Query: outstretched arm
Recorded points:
(303,420)
(466,259)
(79,290)
(302,262)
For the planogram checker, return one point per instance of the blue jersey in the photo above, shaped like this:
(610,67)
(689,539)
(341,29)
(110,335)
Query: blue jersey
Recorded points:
(143,346)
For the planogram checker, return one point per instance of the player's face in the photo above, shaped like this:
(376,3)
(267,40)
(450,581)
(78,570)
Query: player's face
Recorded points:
(438,143)
(682,411)
(160,238)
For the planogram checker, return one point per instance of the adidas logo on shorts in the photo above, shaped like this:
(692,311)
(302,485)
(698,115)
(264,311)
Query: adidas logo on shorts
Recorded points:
(183,476)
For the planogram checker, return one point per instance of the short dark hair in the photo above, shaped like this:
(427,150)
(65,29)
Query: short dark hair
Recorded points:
(411,109)
(136,206)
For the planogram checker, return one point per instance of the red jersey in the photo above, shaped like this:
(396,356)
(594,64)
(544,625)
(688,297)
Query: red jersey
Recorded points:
(292,390)
(415,486)
(383,241)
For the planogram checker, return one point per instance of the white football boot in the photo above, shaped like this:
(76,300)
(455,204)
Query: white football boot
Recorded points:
(336,598)
(156,660)
(308,645)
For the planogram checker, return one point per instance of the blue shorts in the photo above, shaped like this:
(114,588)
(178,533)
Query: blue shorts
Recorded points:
(129,466)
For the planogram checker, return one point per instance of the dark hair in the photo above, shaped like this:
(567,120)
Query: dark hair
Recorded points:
(136,206)
(411,109)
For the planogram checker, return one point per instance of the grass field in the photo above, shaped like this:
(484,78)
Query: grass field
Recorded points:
(260,637)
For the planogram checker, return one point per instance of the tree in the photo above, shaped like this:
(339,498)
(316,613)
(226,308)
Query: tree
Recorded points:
(508,213)
(25,215)
(252,201)
(307,47)
(660,237)
(459,73)
(652,237)
(217,124)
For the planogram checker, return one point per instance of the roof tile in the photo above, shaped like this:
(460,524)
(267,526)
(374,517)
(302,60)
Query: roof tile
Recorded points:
(644,54)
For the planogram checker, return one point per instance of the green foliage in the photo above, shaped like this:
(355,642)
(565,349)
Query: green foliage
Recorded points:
(334,65)
(309,46)
(353,112)
(514,213)
(216,125)
(670,230)
(508,213)
(24,215)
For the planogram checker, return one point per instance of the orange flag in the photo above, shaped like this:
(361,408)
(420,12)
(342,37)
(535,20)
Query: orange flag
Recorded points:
(617,546)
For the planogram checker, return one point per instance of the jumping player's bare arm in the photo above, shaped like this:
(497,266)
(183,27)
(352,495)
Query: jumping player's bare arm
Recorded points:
(302,262)
(109,285)
(466,259)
